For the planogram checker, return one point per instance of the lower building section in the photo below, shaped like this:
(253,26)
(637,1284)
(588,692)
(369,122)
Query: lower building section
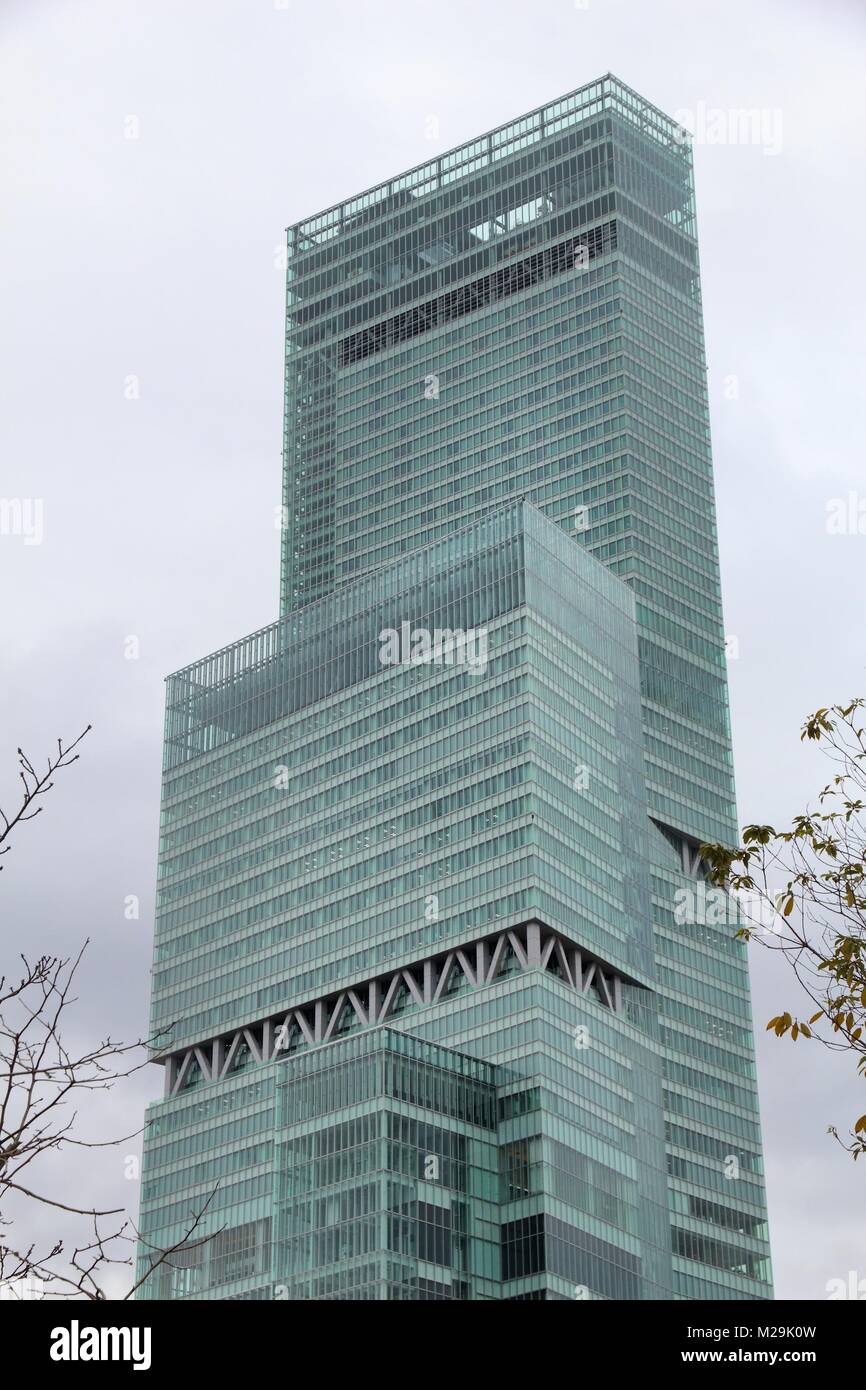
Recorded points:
(385,1165)
(432,1024)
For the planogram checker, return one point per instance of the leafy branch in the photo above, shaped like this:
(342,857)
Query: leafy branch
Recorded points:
(820,914)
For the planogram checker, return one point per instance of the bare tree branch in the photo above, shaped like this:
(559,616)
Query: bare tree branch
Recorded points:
(35,785)
(39,1082)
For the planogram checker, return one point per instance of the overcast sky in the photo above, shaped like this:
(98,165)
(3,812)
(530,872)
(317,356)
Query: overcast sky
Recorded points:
(153,152)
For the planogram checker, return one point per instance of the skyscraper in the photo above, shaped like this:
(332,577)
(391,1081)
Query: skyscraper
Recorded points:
(442,1012)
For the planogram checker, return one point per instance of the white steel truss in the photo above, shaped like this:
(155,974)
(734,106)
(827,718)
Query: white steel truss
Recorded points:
(531,946)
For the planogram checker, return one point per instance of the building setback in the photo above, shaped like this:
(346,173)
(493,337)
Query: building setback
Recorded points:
(432,1022)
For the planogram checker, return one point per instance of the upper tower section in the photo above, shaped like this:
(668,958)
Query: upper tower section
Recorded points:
(421,262)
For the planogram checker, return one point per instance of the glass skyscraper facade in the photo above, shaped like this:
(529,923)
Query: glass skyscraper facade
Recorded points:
(432,1025)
